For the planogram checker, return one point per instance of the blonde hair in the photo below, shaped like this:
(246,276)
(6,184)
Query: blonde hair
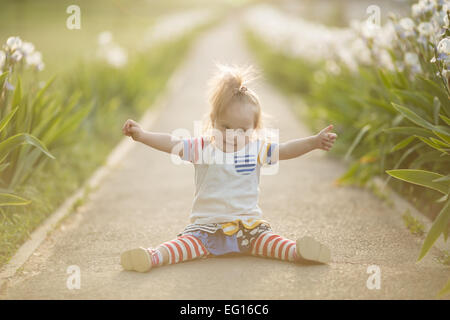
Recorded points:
(229,85)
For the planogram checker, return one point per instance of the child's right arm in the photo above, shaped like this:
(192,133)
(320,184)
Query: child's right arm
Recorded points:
(158,140)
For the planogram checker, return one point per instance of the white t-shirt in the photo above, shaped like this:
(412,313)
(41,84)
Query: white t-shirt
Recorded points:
(226,183)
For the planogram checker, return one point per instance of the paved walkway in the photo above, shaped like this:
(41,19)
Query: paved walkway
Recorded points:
(146,201)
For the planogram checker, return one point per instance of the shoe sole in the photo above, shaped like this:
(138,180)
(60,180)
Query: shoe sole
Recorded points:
(136,260)
(310,249)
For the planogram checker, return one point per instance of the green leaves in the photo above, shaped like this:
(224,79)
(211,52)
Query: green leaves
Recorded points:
(435,136)
(17,94)
(7,199)
(440,225)
(436,182)
(3,77)
(410,115)
(445,290)
(357,140)
(21,147)
(13,142)
(4,122)
(446,119)
(402,144)
(415,131)
(421,177)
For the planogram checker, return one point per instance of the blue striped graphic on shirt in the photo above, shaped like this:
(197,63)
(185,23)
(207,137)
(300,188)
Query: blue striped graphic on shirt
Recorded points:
(245,164)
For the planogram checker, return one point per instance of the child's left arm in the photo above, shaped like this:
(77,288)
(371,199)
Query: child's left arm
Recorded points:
(324,140)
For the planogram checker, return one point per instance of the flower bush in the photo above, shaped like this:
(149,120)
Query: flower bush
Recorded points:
(111,52)
(31,120)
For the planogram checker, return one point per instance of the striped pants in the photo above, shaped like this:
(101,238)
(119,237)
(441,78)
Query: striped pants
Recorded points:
(271,245)
(181,249)
(188,247)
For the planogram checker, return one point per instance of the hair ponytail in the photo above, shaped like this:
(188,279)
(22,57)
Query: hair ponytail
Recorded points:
(229,85)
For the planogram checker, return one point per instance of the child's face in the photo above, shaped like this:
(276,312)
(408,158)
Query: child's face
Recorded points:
(233,123)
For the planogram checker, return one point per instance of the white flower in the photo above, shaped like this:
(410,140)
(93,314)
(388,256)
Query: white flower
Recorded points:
(17,56)
(40,66)
(411,58)
(112,53)
(405,27)
(444,46)
(400,65)
(17,50)
(426,29)
(369,30)
(27,48)
(2,59)
(332,67)
(427,32)
(416,10)
(412,61)
(116,56)
(440,18)
(105,38)
(407,24)
(385,60)
(13,43)
(443,49)
(446,76)
(34,59)
(423,7)
(427,5)
(360,51)
(9,86)
(363,43)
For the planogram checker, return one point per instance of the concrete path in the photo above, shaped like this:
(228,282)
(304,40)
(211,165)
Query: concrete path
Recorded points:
(146,201)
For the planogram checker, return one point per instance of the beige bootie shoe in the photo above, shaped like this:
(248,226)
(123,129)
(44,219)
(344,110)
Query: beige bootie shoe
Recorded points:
(136,260)
(310,249)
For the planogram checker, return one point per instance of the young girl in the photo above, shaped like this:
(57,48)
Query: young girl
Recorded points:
(225,215)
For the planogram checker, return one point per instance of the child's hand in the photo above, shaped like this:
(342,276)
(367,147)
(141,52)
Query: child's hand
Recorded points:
(132,129)
(325,138)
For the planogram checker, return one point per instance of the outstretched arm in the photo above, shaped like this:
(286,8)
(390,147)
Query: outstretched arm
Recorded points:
(157,140)
(294,148)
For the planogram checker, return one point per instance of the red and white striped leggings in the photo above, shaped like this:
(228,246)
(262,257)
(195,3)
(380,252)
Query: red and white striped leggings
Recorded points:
(188,247)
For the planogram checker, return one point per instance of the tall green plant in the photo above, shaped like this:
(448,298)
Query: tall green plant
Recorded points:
(32,121)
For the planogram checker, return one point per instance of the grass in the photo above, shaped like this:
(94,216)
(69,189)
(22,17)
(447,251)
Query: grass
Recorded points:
(444,258)
(376,190)
(43,23)
(415,226)
(49,188)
